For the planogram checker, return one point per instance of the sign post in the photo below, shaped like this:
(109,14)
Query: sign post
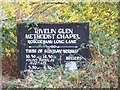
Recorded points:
(47,45)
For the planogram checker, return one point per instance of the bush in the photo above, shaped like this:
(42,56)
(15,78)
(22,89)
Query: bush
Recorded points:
(103,18)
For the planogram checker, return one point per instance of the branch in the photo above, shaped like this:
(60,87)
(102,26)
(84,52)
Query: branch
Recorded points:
(43,4)
(41,11)
(7,19)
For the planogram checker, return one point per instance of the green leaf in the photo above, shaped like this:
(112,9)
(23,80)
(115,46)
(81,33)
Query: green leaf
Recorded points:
(81,4)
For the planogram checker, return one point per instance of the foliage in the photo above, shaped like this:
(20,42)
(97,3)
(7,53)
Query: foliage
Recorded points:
(102,18)
(101,71)
(8,36)
(92,76)
(47,79)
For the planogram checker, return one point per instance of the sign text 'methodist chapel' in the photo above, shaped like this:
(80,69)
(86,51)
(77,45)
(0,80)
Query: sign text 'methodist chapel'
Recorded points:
(48,45)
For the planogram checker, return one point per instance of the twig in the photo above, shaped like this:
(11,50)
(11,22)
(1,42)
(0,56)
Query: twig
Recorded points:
(32,13)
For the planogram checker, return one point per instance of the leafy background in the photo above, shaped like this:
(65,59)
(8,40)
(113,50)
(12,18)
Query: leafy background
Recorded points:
(102,71)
